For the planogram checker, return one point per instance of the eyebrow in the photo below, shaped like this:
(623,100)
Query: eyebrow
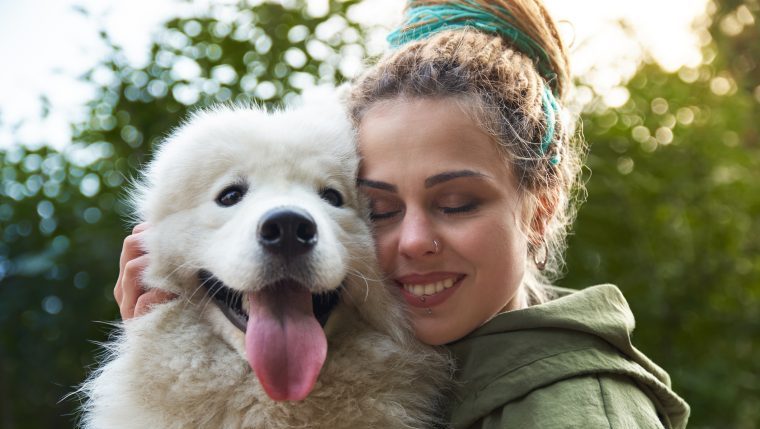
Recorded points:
(429,182)
(451,175)
(377,185)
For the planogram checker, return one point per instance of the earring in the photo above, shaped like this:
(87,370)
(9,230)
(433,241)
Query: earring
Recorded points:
(541,264)
(437,246)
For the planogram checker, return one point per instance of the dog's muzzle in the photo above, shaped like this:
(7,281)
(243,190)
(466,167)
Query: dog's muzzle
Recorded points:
(230,301)
(285,342)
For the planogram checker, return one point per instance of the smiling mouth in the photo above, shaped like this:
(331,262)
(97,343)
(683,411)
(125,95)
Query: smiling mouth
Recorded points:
(434,291)
(429,288)
(230,301)
(414,287)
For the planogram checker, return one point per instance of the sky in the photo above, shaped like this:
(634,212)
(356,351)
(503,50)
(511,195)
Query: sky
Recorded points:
(46,44)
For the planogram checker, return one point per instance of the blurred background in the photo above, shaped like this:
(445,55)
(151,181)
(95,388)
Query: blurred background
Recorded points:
(668,93)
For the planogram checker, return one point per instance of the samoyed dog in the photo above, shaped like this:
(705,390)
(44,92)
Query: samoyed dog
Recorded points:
(282,319)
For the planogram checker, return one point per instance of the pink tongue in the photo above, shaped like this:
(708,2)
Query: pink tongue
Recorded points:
(285,345)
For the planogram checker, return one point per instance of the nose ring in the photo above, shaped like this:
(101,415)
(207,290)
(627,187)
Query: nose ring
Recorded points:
(437,246)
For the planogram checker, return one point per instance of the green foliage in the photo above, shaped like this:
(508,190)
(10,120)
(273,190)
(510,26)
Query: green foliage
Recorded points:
(62,214)
(671,217)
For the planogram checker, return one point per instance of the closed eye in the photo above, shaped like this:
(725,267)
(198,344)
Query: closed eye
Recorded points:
(460,209)
(382,207)
(375,216)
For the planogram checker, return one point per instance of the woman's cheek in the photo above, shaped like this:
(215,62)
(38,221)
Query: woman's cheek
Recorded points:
(384,250)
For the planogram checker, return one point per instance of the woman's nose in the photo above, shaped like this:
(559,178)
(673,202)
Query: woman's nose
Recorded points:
(417,236)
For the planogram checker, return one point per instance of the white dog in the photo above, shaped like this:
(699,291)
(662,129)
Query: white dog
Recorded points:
(282,319)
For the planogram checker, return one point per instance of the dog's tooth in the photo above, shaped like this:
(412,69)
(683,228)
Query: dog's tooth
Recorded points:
(448,283)
(418,290)
(439,287)
(245,304)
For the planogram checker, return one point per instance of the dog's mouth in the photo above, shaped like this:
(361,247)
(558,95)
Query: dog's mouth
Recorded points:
(230,301)
(285,343)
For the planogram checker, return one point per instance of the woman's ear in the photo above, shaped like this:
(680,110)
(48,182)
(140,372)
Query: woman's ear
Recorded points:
(546,204)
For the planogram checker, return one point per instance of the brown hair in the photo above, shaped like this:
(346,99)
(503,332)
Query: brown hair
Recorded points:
(504,92)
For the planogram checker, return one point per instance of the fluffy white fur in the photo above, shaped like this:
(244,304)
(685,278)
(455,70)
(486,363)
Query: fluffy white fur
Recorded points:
(183,364)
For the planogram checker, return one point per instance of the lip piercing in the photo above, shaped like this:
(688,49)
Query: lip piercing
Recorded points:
(437,246)
(429,311)
(422,298)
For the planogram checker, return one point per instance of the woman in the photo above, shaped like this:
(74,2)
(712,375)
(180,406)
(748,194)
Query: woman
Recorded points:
(470,169)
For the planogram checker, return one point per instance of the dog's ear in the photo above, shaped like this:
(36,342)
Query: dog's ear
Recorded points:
(327,102)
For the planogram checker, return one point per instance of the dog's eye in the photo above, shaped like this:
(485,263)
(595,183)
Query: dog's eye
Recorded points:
(332,196)
(230,196)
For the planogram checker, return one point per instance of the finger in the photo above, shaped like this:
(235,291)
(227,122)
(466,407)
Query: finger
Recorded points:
(151,298)
(131,284)
(118,291)
(131,249)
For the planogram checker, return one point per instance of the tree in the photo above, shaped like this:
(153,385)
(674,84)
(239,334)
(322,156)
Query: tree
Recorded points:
(63,214)
(672,218)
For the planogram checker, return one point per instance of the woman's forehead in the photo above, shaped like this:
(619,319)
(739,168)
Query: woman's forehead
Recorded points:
(425,133)
(418,118)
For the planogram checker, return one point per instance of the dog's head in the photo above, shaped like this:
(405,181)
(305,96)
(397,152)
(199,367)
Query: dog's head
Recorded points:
(260,212)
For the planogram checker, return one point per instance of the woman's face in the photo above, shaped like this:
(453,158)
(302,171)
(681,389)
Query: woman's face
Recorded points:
(446,215)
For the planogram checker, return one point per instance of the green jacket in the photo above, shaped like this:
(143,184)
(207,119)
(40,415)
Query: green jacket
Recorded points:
(564,364)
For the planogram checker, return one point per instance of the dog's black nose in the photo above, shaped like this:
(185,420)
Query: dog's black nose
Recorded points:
(287,231)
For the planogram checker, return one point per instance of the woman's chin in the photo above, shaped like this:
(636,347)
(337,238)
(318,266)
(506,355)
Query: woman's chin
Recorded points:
(432,332)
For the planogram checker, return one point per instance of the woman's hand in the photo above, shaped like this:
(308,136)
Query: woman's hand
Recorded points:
(130,295)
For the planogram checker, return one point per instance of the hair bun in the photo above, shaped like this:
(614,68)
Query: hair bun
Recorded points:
(524,24)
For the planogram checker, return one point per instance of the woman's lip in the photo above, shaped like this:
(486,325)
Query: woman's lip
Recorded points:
(427,301)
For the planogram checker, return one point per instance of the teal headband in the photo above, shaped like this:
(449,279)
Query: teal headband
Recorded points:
(424,21)
(551,111)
